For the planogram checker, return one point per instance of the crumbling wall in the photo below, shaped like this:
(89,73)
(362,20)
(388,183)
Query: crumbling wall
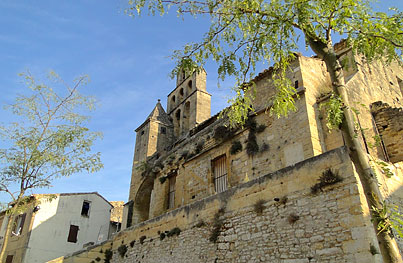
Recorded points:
(274,218)
(389,122)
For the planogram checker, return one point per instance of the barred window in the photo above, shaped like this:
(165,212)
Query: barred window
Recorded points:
(219,167)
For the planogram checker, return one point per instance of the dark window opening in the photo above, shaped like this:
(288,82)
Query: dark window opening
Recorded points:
(130,214)
(190,85)
(142,132)
(85,210)
(178,115)
(173,98)
(296,84)
(9,259)
(181,92)
(73,232)
(163,130)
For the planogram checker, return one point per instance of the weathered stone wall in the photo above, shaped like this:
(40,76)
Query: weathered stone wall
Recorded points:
(389,122)
(290,224)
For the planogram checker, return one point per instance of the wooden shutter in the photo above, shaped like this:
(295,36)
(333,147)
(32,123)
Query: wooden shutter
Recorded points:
(73,232)
(220,174)
(171,192)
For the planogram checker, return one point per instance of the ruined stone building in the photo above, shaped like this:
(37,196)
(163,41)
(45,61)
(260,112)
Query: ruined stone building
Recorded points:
(275,190)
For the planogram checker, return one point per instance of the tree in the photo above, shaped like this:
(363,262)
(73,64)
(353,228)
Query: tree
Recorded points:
(48,140)
(245,32)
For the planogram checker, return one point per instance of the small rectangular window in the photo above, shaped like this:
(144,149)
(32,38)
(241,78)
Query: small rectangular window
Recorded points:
(130,214)
(18,224)
(73,232)
(171,192)
(85,210)
(296,84)
(9,259)
(219,167)
(163,130)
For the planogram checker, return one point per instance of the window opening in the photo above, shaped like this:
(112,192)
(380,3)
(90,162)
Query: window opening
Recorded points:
(163,130)
(220,174)
(296,84)
(130,214)
(171,192)
(9,259)
(18,224)
(190,85)
(73,232)
(181,92)
(85,210)
(142,132)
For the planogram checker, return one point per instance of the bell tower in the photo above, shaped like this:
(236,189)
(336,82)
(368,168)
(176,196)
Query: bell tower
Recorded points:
(189,103)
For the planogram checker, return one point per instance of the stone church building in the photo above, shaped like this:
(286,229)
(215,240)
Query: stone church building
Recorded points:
(274,190)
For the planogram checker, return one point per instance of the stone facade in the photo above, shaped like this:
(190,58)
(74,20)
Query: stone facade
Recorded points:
(251,193)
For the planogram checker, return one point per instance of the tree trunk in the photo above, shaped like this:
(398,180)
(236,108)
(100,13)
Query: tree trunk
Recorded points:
(6,237)
(390,252)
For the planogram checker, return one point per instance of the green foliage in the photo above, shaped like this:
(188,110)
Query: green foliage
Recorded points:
(174,231)
(292,218)
(243,33)
(144,167)
(49,138)
(132,243)
(389,218)
(108,255)
(162,236)
(328,177)
(218,222)
(163,179)
(259,206)
(236,147)
(221,133)
(385,169)
(122,249)
(142,238)
(334,111)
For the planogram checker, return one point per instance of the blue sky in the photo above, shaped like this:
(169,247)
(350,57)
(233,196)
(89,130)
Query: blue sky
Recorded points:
(126,59)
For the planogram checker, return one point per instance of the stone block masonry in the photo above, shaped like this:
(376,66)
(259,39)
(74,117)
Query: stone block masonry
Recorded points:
(273,218)
(389,122)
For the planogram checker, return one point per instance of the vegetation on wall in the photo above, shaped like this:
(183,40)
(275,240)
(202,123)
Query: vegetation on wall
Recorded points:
(328,177)
(218,222)
(142,238)
(108,255)
(222,133)
(259,206)
(334,111)
(292,218)
(236,147)
(174,231)
(122,249)
(388,218)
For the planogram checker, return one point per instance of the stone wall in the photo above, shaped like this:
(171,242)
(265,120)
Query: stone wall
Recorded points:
(389,122)
(273,218)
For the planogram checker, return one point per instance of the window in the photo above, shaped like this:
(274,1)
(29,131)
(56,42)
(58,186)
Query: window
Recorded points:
(142,132)
(85,210)
(130,214)
(73,232)
(18,224)
(163,130)
(171,192)
(219,167)
(9,259)
(296,84)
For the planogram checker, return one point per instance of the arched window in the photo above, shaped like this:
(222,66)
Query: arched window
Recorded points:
(190,83)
